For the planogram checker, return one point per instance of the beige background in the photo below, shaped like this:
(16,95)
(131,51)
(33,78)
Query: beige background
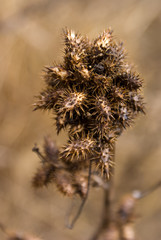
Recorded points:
(31,37)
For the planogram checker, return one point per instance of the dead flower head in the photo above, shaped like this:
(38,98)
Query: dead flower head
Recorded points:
(94,94)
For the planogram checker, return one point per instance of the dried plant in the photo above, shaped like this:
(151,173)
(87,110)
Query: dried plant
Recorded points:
(94,94)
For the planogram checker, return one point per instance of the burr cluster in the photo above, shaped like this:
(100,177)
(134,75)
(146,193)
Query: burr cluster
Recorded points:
(94,94)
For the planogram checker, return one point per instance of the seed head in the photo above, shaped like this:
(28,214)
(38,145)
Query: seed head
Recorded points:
(94,94)
(79,149)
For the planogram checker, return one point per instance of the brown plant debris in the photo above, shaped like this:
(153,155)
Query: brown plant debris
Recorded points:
(94,95)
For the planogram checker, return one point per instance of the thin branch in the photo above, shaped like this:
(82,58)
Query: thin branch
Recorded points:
(71,225)
(138,194)
(37,151)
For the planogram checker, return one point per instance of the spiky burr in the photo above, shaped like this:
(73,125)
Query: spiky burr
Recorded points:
(94,95)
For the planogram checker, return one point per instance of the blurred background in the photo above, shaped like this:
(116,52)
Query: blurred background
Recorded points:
(30,38)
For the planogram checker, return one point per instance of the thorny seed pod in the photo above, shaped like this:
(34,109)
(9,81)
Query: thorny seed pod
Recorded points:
(68,177)
(94,94)
(70,104)
(105,160)
(65,182)
(79,149)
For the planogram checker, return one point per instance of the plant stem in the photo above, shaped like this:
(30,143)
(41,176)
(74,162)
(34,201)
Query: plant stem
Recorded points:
(107,213)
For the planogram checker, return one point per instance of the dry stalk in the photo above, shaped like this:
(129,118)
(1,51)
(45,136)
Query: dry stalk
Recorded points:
(94,94)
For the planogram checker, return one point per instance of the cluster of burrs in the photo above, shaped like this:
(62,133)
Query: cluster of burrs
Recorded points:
(94,94)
